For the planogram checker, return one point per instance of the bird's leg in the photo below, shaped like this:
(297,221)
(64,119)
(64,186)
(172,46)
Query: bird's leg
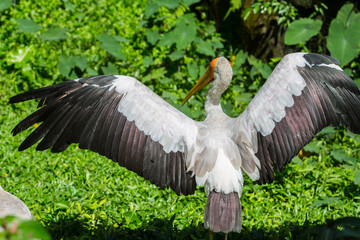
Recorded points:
(210,235)
(226,235)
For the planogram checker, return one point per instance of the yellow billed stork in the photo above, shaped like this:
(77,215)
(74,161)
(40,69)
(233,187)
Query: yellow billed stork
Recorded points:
(120,118)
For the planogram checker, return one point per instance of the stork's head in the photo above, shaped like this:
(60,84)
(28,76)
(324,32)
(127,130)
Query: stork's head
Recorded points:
(219,72)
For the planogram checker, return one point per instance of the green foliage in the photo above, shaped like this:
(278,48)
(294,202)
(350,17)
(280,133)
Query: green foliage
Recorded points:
(343,41)
(67,66)
(112,45)
(5,4)
(302,30)
(283,9)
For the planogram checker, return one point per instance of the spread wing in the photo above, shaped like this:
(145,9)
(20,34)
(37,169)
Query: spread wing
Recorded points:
(117,117)
(304,94)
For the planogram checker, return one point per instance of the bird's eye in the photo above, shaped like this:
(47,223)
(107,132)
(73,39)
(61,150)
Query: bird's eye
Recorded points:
(213,62)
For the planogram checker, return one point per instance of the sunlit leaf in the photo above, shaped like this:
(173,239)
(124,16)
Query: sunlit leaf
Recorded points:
(61,205)
(54,34)
(27,25)
(21,55)
(302,30)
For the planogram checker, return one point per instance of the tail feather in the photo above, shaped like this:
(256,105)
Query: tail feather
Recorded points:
(223,212)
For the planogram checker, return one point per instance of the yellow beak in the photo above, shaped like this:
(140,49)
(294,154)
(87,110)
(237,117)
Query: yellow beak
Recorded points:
(204,80)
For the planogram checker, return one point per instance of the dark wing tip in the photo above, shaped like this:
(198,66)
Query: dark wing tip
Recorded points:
(316,58)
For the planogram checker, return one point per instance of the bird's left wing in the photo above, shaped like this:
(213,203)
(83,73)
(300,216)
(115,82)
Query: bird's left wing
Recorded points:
(304,94)
(118,117)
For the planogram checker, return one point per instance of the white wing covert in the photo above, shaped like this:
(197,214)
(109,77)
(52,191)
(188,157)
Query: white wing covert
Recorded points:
(118,117)
(304,94)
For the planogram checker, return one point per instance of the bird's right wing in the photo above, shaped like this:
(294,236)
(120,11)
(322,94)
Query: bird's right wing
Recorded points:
(304,94)
(118,117)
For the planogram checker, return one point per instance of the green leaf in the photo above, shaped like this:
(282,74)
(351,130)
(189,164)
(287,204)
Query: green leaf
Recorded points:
(357,82)
(67,65)
(54,34)
(332,201)
(205,48)
(357,177)
(152,36)
(110,44)
(193,69)
(165,80)
(169,96)
(344,13)
(314,146)
(61,205)
(302,30)
(184,34)
(190,2)
(344,35)
(121,39)
(171,4)
(340,156)
(5,4)
(343,42)
(150,9)
(148,61)
(265,70)
(110,69)
(240,59)
(27,25)
(227,108)
(69,6)
(177,55)
(167,39)
(244,97)
(330,132)
(32,230)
